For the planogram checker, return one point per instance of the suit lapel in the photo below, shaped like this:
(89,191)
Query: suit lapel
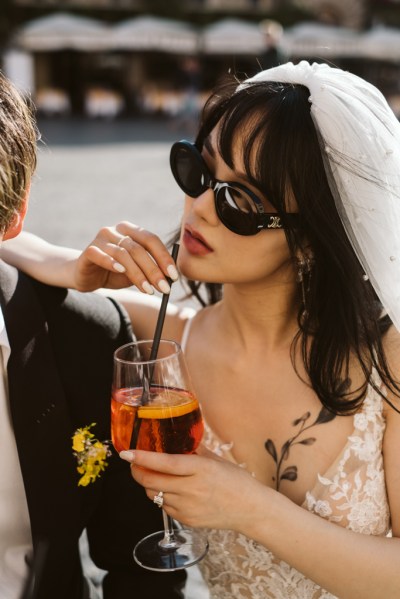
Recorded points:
(41,422)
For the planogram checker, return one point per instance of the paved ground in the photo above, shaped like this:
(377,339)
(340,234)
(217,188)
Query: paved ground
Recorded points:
(92,174)
(96,173)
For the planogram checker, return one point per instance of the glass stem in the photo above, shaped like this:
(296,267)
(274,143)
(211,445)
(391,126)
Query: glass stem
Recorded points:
(169,541)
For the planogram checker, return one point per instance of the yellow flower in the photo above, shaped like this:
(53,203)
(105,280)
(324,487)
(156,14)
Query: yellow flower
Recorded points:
(78,442)
(90,453)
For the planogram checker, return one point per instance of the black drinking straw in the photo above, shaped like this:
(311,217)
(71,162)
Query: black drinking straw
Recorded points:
(153,353)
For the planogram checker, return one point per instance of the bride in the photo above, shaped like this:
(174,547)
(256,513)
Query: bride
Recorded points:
(290,239)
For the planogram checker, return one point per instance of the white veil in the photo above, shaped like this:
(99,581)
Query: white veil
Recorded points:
(360,138)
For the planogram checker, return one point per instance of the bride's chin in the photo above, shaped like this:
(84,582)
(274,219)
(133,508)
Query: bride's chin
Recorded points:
(196,269)
(193,273)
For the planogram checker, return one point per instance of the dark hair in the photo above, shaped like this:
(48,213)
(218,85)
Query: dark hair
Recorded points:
(281,151)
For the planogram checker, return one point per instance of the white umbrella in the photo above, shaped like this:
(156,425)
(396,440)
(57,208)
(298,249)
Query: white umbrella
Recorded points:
(319,40)
(62,31)
(232,36)
(382,43)
(154,33)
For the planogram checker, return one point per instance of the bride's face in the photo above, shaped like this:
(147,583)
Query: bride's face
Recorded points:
(212,253)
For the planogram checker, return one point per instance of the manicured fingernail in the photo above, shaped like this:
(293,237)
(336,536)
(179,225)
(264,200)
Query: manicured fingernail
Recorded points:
(172,272)
(164,287)
(147,288)
(118,267)
(128,456)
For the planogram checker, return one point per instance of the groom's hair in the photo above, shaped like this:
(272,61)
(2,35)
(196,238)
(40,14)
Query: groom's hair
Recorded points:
(18,139)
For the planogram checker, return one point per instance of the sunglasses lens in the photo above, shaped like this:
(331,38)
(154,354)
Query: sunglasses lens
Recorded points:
(187,168)
(236,210)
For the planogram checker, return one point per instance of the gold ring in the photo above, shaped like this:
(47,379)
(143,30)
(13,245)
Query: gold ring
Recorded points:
(119,244)
(159,499)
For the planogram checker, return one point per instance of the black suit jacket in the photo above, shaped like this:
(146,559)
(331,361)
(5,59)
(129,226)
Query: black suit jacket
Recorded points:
(60,372)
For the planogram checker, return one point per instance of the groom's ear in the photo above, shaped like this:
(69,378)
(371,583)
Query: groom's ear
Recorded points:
(15,227)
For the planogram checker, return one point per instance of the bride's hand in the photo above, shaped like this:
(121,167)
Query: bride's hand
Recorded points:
(199,490)
(122,256)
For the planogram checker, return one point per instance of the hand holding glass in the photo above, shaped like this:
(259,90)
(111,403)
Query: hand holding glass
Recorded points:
(154,408)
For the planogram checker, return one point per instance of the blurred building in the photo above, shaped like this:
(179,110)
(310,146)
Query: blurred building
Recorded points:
(340,12)
(106,58)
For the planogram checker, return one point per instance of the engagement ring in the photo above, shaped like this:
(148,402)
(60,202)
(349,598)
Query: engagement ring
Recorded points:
(159,499)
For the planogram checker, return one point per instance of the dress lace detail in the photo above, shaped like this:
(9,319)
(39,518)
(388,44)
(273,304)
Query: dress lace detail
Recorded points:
(351,493)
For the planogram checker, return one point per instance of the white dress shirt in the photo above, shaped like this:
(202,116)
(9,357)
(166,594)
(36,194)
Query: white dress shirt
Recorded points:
(15,529)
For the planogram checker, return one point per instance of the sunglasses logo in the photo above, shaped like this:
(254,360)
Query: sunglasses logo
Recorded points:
(274,222)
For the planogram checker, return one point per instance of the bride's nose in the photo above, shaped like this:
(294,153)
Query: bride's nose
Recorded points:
(204,206)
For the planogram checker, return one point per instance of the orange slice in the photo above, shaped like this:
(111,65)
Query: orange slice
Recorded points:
(168,411)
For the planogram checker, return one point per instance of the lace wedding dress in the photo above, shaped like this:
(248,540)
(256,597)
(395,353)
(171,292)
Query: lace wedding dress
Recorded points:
(351,493)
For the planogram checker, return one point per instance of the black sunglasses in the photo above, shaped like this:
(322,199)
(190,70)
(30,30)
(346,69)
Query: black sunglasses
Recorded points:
(238,208)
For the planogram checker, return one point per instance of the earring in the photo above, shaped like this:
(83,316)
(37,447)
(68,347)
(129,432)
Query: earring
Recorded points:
(304,270)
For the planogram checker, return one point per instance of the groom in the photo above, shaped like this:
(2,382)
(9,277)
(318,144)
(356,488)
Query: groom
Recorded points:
(56,351)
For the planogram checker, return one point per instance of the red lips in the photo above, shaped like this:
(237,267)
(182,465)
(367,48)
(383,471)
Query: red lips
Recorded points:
(195,243)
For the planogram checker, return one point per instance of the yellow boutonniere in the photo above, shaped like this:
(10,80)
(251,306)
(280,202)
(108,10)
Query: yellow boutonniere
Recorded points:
(90,453)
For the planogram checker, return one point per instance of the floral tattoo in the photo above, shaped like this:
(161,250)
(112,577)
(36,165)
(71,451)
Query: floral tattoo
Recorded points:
(290,472)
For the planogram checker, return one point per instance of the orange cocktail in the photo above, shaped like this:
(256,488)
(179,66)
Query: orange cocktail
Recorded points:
(171,422)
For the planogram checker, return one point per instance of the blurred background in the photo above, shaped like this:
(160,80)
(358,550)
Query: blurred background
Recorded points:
(128,58)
